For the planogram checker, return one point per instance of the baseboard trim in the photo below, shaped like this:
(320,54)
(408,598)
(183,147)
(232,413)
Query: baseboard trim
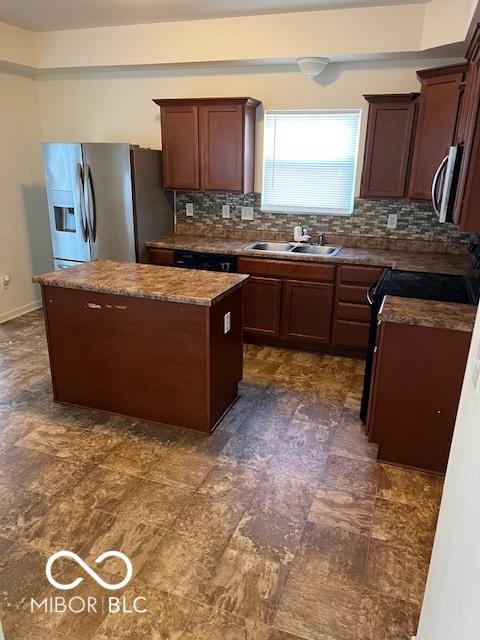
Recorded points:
(20,311)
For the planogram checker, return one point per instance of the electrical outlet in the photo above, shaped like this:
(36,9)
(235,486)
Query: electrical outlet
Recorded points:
(226,211)
(6,281)
(189,209)
(227,322)
(247,213)
(392,221)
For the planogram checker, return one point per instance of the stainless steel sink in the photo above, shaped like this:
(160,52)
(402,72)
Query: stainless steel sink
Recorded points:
(316,250)
(282,247)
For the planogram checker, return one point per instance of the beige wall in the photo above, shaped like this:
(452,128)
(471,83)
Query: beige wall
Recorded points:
(118,107)
(24,231)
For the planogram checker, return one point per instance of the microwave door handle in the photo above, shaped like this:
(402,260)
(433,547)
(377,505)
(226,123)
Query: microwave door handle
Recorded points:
(81,200)
(90,200)
(436,179)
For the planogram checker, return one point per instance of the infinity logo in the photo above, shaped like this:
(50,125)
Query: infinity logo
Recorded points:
(87,569)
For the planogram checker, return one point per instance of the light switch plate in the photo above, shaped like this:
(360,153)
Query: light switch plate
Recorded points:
(226,211)
(392,221)
(189,209)
(247,213)
(227,322)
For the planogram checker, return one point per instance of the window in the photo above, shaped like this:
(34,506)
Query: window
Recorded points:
(310,160)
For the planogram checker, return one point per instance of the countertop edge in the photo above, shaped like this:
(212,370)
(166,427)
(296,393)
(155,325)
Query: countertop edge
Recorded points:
(453,316)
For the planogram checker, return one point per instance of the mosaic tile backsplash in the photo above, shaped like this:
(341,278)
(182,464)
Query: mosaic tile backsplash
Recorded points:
(416,221)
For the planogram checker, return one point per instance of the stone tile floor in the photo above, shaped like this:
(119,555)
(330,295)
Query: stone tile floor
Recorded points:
(279,526)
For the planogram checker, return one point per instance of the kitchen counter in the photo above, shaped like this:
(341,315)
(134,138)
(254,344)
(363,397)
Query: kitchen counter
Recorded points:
(146,281)
(428,313)
(396,258)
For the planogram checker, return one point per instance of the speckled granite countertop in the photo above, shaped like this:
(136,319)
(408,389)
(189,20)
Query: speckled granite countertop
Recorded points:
(428,313)
(189,286)
(396,258)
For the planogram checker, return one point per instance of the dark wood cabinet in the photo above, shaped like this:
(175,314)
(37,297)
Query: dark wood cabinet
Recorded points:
(466,212)
(261,313)
(162,257)
(180,135)
(414,396)
(390,127)
(307,312)
(208,144)
(440,101)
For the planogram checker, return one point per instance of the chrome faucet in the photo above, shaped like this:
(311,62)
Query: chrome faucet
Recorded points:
(321,239)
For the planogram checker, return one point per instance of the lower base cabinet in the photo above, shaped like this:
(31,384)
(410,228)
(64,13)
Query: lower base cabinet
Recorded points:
(262,301)
(307,312)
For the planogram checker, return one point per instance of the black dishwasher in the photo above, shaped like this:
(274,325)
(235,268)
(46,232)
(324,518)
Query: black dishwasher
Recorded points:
(205,261)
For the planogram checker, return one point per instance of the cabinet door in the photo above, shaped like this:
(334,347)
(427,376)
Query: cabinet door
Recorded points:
(437,119)
(261,312)
(180,146)
(389,139)
(221,140)
(307,311)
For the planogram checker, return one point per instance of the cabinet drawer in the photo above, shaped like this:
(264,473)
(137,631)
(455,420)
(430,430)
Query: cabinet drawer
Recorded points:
(164,257)
(347,311)
(361,275)
(352,334)
(352,293)
(287,269)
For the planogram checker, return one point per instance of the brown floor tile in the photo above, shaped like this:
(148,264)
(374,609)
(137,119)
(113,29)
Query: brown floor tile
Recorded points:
(287,495)
(180,468)
(103,489)
(17,627)
(231,481)
(404,524)
(318,413)
(183,566)
(166,618)
(155,503)
(267,534)
(334,508)
(268,425)
(247,585)
(249,449)
(301,433)
(318,611)
(408,486)
(299,462)
(14,426)
(276,634)
(4,545)
(397,571)
(383,618)
(135,539)
(20,510)
(212,624)
(134,458)
(22,576)
(331,555)
(206,517)
(344,473)
(350,440)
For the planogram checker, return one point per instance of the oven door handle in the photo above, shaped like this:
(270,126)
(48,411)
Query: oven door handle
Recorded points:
(370,293)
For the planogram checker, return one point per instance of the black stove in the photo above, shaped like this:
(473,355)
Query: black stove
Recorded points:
(414,284)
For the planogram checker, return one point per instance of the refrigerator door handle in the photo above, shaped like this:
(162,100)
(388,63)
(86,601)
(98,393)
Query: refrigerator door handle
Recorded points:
(436,178)
(90,200)
(81,200)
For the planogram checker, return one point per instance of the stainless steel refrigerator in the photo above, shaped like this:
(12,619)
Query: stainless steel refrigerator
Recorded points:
(105,200)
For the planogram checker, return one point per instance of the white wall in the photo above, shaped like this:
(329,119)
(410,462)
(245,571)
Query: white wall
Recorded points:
(118,107)
(451,608)
(24,231)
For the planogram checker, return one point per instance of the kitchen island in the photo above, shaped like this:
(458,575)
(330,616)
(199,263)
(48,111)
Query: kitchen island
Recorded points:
(157,343)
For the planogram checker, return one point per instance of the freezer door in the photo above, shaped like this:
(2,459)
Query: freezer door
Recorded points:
(109,201)
(64,181)
(153,207)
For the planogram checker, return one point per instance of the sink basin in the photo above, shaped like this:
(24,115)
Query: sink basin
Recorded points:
(282,247)
(316,250)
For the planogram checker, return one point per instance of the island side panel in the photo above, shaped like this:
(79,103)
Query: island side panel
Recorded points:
(133,356)
(226,353)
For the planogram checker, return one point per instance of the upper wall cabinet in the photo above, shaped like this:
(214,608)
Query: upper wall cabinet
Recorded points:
(440,100)
(390,126)
(208,144)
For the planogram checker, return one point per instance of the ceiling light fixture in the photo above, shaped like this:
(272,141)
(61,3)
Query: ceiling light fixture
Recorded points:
(312,67)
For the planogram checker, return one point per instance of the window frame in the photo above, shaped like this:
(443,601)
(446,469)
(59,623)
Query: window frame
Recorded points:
(320,211)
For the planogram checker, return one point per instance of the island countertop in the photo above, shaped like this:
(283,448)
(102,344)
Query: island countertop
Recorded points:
(170,284)
(428,313)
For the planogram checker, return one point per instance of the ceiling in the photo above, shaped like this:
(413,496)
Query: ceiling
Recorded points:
(46,15)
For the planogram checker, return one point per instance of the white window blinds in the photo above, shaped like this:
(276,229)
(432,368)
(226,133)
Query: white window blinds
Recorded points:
(310,160)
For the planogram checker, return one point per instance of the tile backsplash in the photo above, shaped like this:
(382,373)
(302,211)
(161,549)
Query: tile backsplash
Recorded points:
(416,221)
